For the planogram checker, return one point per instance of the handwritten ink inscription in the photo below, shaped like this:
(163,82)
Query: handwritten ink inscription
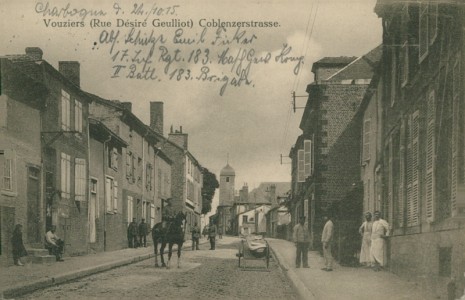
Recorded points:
(157,43)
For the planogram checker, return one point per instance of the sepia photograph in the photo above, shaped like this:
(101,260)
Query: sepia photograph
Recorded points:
(232,149)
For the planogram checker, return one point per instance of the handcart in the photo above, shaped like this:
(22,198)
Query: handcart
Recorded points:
(253,248)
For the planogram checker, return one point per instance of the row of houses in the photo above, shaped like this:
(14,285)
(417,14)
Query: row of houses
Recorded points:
(386,132)
(83,163)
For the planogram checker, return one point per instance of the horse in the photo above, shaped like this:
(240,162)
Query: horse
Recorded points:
(169,232)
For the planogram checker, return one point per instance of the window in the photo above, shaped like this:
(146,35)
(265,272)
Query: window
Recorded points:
(160,183)
(65,111)
(244,219)
(77,116)
(404,51)
(130,209)
(307,158)
(400,203)
(393,76)
(152,215)
(65,175)
(455,139)
(79,179)
(144,209)
(93,192)
(227,179)
(148,176)
(412,170)
(300,166)
(139,171)
(430,154)
(432,21)
(113,159)
(111,195)
(366,139)
(423,31)
(129,168)
(9,168)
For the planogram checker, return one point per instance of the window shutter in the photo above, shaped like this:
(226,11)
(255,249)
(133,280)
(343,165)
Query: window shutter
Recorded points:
(415,155)
(430,158)
(63,175)
(77,182)
(128,164)
(366,139)
(401,197)
(455,139)
(115,196)
(307,158)
(108,194)
(423,34)
(300,166)
(390,178)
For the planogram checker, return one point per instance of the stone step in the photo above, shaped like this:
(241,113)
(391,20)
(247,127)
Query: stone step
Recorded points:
(44,259)
(37,252)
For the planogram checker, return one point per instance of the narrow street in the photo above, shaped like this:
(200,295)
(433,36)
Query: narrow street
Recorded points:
(204,274)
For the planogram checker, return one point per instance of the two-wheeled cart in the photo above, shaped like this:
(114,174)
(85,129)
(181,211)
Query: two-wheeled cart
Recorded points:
(253,249)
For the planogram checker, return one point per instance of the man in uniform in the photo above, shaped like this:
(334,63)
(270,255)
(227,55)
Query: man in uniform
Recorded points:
(327,240)
(212,235)
(143,230)
(301,238)
(168,213)
(132,234)
(195,231)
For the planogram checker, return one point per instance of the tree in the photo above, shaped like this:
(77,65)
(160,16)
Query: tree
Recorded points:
(210,184)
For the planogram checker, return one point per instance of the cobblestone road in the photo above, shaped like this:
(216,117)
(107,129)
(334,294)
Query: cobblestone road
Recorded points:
(204,274)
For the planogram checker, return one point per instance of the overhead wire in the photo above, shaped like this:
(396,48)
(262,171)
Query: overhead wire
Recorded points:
(305,46)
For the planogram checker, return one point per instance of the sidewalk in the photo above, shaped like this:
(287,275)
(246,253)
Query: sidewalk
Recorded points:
(16,281)
(342,282)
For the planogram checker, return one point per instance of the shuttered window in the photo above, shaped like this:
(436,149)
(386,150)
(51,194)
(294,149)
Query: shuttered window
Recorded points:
(308,158)
(300,166)
(77,116)
(65,175)
(390,179)
(412,171)
(366,139)
(65,111)
(79,179)
(400,203)
(455,137)
(423,31)
(432,21)
(430,157)
(404,52)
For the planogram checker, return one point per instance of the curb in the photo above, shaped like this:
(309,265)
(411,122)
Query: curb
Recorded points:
(66,277)
(302,290)
(21,290)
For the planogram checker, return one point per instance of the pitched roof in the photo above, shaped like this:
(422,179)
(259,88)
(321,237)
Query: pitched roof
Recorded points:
(333,61)
(361,68)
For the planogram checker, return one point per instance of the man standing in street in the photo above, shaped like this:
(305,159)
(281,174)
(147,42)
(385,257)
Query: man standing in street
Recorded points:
(380,231)
(195,231)
(301,238)
(132,234)
(365,231)
(212,235)
(143,233)
(326,240)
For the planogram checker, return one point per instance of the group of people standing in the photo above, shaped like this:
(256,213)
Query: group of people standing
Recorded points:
(374,233)
(372,254)
(301,237)
(137,234)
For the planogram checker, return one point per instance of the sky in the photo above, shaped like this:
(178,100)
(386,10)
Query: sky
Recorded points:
(250,118)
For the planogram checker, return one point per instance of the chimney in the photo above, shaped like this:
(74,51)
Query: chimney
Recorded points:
(127,105)
(34,52)
(156,116)
(179,138)
(71,70)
